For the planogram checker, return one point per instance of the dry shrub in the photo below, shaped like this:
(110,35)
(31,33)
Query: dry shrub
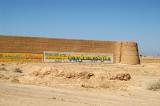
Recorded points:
(35,73)
(1,76)
(15,80)
(86,85)
(47,71)
(2,64)
(3,69)
(121,76)
(43,74)
(70,75)
(18,70)
(4,77)
(40,73)
(154,85)
(85,75)
(105,84)
(97,84)
(60,73)
(82,75)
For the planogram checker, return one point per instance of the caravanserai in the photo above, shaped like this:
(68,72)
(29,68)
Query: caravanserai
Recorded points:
(39,49)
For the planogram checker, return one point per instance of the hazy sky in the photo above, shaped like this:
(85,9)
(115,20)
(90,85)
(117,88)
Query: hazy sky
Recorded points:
(137,20)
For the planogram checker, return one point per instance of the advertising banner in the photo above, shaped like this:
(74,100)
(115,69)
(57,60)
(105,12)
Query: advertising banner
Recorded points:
(21,57)
(50,56)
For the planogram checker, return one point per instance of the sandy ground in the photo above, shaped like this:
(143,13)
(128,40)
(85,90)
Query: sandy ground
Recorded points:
(77,84)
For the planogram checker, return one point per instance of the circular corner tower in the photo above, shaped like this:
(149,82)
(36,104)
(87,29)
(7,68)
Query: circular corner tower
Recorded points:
(129,53)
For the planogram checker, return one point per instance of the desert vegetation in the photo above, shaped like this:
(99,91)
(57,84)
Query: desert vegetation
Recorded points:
(154,85)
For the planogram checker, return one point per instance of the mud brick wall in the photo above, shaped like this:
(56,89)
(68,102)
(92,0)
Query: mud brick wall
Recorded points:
(124,52)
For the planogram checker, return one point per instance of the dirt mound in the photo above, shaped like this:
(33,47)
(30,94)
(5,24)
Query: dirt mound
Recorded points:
(60,73)
(86,75)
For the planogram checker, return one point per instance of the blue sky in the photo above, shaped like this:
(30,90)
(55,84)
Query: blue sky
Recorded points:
(137,20)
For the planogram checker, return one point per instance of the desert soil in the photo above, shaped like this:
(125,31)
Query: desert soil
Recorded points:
(78,84)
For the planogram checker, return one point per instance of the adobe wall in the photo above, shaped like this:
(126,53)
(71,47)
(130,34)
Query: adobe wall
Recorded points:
(123,52)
